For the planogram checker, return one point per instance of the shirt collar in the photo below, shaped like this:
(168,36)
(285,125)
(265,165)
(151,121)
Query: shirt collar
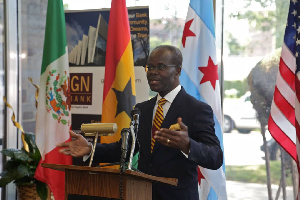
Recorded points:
(171,95)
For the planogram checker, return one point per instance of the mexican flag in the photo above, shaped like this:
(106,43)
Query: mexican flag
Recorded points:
(119,80)
(53,118)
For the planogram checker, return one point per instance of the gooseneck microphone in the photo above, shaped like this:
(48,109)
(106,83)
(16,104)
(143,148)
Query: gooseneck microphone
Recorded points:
(125,135)
(134,125)
(135,117)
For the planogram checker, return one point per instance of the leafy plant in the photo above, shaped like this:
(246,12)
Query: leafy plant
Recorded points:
(21,166)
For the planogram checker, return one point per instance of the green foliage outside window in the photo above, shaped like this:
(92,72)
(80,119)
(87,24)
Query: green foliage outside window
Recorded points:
(240,85)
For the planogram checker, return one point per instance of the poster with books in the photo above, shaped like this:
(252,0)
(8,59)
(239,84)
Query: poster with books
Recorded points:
(86,37)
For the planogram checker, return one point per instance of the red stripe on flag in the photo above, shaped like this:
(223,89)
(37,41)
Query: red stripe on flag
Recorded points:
(117,41)
(298,137)
(282,138)
(297,83)
(54,178)
(287,74)
(284,106)
(297,130)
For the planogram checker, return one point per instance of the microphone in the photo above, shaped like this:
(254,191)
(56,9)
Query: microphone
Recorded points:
(124,134)
(135,117)
(134,125)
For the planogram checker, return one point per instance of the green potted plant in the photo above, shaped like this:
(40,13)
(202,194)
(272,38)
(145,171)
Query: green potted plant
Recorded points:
(20,169)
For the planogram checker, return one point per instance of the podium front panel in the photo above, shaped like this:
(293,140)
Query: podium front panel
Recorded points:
(137,189)
(92,184)
(101,184)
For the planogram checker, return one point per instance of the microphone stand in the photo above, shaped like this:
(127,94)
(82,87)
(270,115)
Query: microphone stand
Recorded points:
(125,134)
(93,150)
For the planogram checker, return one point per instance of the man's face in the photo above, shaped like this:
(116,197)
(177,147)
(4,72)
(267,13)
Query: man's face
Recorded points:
(162,81)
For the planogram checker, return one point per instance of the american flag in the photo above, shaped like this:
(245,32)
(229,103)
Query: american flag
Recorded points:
(285,111)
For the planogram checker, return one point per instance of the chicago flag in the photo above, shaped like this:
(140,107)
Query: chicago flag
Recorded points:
(199,77)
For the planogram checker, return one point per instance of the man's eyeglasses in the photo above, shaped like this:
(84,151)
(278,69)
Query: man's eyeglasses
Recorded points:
(159,67)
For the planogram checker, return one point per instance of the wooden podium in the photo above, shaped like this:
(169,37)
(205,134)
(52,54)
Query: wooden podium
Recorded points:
(84,182)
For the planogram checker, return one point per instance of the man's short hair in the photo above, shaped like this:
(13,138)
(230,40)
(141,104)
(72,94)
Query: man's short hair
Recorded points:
(176,53)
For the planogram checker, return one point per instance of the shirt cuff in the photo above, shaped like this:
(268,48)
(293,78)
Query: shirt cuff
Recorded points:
(86,157)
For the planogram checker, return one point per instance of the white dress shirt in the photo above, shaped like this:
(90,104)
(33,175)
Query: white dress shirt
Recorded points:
(169,97)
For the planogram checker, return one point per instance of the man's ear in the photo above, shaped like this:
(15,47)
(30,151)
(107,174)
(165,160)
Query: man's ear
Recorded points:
(178,70)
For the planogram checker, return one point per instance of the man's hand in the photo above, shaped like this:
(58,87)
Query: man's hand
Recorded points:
(175,139)
(78,147)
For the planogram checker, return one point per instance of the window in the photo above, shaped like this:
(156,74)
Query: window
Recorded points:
(2,85)
(32,33)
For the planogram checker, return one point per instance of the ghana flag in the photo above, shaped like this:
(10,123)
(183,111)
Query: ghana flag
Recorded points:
(119,80)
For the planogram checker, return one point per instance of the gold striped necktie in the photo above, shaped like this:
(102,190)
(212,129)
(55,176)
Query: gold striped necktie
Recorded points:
(158,119)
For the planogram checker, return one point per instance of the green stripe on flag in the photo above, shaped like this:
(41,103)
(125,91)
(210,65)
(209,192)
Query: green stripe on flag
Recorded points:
(135,160)
(55,34)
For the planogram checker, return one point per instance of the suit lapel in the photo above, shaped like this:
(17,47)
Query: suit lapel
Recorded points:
(174,110)
(147,126)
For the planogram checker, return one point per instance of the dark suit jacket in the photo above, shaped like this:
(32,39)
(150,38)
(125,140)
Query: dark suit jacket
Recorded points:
(169,162)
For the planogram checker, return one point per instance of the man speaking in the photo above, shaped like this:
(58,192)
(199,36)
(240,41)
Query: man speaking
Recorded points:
(165,150)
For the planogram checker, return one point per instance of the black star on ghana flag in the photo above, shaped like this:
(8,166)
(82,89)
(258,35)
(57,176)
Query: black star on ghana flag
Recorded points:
(125,99)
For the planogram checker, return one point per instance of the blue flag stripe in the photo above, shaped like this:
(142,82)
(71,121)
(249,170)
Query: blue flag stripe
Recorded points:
(205,11)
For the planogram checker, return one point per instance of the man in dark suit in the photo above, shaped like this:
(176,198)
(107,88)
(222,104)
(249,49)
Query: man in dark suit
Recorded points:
(165,152)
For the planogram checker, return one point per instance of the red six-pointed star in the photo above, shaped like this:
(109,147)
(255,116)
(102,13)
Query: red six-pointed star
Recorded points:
(210,73)
(187,32)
